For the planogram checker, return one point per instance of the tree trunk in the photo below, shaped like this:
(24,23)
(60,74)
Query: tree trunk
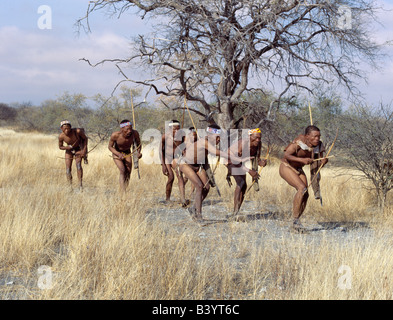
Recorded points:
(225,117)
(381,195)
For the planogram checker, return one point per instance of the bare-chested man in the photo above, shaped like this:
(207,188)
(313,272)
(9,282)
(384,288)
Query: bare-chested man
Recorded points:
(298,154)
(252,145)
(120,144)
(169,150)
(76,147)
(191,164)
(189,140)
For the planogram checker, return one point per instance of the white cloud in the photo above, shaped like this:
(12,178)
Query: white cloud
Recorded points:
(38,65)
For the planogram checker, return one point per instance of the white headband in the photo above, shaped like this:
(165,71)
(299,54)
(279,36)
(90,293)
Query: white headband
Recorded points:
(125,124)
(213,130)
(64,122)
(174,124)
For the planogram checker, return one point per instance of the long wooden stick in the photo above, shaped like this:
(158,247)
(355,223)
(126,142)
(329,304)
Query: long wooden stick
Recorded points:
(128,155)
(133,113)
(259,172)
(213,172)
(182,120)
(309,109)
(323,158)
(135,159)
(189,113)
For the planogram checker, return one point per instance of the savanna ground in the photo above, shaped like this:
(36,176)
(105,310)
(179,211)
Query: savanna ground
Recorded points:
(95,245)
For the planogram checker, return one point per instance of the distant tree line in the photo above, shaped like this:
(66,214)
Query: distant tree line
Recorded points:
(364,132)
(101,115)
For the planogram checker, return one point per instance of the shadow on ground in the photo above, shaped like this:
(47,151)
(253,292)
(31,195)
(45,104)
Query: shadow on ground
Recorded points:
(342,225)
(247,218)
(270,215)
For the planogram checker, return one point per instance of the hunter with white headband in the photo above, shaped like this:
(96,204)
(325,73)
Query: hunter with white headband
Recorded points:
(170,141)
(191,164)
(76,147)
(120,144)
(238,171)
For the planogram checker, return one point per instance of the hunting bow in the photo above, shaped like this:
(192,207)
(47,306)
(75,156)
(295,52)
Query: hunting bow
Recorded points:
(327,155)
(260,170)
(135,147)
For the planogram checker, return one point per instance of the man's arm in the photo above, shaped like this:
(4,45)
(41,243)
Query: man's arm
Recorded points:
(84,139)
(213,150)
(241,145)
(323,161)
(162,156)
(290,152)
(322,154)
(61,144)
(235,150)
(138,144)
(230,155)
(162,150)
(112,141)
(261,162)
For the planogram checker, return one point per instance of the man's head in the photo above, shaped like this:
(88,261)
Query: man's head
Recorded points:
(214,131)
(126,128)
(255,137)
(65,126)
(174,125)
(193,134)
(313,135)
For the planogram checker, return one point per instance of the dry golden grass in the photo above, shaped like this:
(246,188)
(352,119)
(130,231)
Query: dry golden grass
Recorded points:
(99,246)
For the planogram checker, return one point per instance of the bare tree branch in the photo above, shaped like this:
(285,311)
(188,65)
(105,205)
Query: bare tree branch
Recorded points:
(205,50)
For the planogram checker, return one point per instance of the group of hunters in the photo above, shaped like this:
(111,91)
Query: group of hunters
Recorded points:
(185,155)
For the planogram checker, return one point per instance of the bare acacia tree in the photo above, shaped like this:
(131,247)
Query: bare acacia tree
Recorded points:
(212,51)
(366,137)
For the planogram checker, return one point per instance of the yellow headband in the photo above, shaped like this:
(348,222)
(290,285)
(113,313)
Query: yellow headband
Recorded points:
(257,130)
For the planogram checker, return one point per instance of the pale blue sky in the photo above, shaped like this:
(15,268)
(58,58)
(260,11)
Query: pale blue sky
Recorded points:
(37,64)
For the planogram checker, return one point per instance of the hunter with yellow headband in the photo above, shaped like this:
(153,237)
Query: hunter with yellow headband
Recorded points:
(245,147)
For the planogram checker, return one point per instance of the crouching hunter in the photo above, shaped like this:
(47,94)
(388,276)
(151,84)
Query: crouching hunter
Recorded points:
(169,149)
(296,155)
(76,147)
(120,144)
(192,165)
(252,146)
